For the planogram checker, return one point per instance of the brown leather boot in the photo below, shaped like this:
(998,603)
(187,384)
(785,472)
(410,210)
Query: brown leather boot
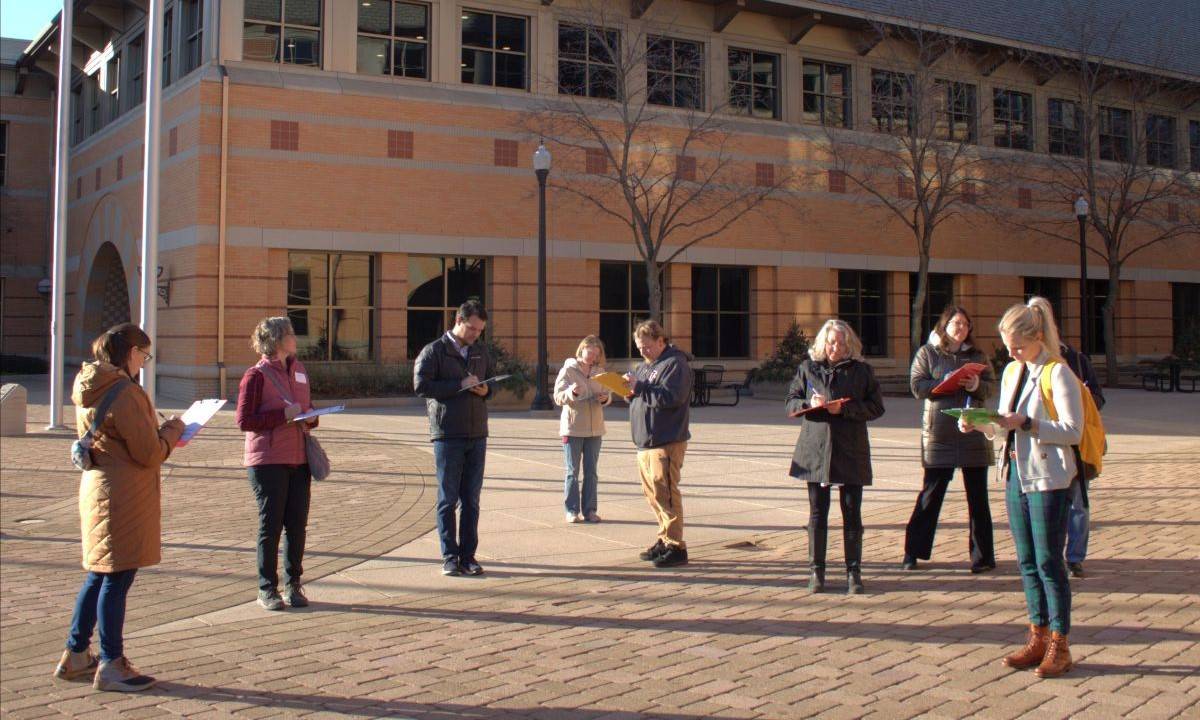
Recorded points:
(1058,658)
(1034,650)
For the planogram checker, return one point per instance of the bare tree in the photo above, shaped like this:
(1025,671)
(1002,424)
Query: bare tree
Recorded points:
(921,163)
(649,149)
(1122,158)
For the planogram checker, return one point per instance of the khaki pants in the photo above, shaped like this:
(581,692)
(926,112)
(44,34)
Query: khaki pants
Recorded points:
(659,468)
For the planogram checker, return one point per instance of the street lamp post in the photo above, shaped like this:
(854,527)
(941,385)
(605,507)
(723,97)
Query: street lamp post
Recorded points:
(541,168)
(1081,214)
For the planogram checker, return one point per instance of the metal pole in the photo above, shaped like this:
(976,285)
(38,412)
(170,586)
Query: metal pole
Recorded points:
(58,291)
(1084,325)
(150,173)
(541,401)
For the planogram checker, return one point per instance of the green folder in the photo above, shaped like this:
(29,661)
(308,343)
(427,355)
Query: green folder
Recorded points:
(975,416)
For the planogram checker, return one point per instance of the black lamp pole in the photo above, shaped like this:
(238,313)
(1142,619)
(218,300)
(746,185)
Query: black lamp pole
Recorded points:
(1081,213)
(541,164)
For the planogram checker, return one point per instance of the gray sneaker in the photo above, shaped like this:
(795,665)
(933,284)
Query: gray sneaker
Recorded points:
(294,596)
(270,600)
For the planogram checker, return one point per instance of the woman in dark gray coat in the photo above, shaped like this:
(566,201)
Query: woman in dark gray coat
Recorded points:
(944,448)
(833,447)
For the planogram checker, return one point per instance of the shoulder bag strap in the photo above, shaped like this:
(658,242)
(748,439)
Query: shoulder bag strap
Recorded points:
(102,411)
(271,377)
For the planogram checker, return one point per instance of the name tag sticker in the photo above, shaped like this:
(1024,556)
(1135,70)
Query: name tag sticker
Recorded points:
(301,378)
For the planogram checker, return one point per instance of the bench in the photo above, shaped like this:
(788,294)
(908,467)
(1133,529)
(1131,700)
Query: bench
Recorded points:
(712,377)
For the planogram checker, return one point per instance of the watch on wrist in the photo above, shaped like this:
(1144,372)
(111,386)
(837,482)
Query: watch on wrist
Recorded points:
(1027,425)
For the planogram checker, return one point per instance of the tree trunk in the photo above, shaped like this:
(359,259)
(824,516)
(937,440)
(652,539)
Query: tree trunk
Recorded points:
(1110,325)
(917,310)
(654,288)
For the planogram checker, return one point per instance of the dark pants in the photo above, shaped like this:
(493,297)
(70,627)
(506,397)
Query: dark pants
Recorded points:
(1039,527)
(282,493)
(918,536)
(102,599)
(850,498)
(459,464)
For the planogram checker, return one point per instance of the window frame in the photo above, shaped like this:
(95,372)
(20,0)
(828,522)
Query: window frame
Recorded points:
(527,69)
(326,310)
(823,97)
(283,26)
(752,85)
(135,73)
(1156,145)
(587,62)
(1194,145)
(931,314)
(883,78)
(392,39)
(628,312)
(1107,134)
(718,313)
(3,152)
(855,317)
(949,114)
(674,74)
(168,46)
(1050,288)
(192,38)
(447,308)
(1058,134)
(1004,117)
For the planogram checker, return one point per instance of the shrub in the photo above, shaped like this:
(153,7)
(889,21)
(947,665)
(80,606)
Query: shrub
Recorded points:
(359,380)
(1000,359)
(789,353)
(522,373)
(1187,345)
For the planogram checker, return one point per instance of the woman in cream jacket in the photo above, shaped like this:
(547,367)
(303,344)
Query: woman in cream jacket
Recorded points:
(1039,465)
(582,400)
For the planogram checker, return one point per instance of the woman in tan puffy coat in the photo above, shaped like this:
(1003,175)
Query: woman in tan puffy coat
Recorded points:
(119,504)
(582,400)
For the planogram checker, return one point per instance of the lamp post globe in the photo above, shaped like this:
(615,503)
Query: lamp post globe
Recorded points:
(541,168)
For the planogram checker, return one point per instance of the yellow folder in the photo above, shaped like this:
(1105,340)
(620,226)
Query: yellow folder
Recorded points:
(614,382)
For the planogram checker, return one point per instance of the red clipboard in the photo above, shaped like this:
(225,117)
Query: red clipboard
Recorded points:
(798,413)
(952,382)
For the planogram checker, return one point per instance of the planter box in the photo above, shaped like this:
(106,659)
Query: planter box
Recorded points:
(770,390)
(505,399)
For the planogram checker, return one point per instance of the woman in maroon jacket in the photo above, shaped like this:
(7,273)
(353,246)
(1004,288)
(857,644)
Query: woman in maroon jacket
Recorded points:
(271,395)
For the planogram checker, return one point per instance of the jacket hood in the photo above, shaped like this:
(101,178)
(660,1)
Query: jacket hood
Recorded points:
(936,341)
(93,381)
(572,363)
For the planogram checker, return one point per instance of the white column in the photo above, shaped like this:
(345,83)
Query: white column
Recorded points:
(150,173)
(58,293)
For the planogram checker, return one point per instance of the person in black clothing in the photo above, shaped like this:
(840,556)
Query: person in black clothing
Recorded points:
(448,374)
(1079,517)
(944,448)
(833,447)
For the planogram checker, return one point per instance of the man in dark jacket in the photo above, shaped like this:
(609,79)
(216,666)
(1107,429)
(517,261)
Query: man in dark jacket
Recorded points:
(448,375)
(1079,516)
(661,389)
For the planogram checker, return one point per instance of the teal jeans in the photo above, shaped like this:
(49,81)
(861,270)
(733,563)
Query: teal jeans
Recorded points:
(1039,527)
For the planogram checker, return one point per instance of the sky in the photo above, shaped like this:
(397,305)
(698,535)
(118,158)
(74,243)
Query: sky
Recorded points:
(24,18)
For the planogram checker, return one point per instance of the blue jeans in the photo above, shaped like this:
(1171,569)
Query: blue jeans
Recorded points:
(1078,523)
(576,449)
(102,598)
(460,480)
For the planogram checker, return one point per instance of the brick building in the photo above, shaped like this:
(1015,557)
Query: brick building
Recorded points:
(361,165)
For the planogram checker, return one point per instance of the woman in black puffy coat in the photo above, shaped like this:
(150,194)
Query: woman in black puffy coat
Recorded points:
(943,447)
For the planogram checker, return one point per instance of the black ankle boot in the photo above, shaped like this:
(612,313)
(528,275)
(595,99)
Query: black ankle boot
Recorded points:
(854,583)
(816,580)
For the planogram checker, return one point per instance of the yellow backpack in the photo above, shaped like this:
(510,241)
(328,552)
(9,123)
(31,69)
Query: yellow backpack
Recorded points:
(1093,444)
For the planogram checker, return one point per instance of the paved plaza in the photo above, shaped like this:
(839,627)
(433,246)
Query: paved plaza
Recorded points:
(567,623)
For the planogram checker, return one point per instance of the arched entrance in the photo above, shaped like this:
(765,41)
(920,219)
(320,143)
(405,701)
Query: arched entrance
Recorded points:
(107,300)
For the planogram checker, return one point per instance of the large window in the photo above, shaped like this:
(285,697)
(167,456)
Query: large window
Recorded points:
(939,292)
(1097,294)
(1194,144)
(331,303)
(436,287)
(1064,120)
(720,312)
(587,61)
(956,110)
(168,46)
(283,31)
(135,72)
(1049,288)
(1185,313)
(191,32)
(495,50)
(891,102)
(1116,127)
(675,72)
(1160,141)
(862,302)
(827,93)
(3,150)
(393,39)
(624,302)
(1012,119)
(754,83)
(112,80)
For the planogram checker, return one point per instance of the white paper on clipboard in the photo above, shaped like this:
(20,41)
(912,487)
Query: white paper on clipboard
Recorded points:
(318,413)
(197,416)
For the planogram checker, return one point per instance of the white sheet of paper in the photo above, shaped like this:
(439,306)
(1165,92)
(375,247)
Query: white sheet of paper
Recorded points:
(197,416)
(316,413)
(493,379)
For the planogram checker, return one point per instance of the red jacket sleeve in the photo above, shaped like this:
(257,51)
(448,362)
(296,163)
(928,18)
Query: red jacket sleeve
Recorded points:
(249,419)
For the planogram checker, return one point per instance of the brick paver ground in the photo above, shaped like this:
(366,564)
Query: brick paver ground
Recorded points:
(732,635)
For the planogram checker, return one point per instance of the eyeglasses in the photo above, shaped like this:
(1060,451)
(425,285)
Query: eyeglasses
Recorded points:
(147,355)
